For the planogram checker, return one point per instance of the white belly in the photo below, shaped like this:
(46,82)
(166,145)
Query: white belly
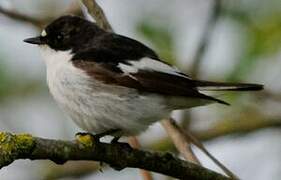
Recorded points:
(96,107)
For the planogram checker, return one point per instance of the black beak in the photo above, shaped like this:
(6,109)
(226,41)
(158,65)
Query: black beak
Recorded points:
(35,40)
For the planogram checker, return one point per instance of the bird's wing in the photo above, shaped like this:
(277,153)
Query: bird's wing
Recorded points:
(125,62)
(154,77)
(113,48)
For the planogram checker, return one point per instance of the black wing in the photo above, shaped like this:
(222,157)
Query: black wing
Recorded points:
(125,62)
(112,48)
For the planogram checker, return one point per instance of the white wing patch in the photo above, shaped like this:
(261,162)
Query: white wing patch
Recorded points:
(127,69)
(149,64)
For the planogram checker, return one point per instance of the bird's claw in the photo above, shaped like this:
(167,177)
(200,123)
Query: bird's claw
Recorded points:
(87,139)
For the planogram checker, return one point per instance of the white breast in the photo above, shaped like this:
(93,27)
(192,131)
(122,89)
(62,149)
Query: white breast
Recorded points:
(97,107)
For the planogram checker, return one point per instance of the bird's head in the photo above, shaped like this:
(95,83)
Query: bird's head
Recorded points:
(66,33)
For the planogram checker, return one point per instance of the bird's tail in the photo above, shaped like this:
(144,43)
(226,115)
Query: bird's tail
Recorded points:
(221,86)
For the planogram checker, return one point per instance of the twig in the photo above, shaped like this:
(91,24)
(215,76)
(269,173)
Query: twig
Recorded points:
(223,128)
(179,140)
(168,124)
(118,155)
(97,13)
(198,144)
(216,10)
(205,39)
(74,8)
(245,125)
(133,141)
(183,138)
(24,18)
(38,23)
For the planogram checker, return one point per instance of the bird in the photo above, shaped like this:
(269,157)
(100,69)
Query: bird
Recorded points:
(106,82)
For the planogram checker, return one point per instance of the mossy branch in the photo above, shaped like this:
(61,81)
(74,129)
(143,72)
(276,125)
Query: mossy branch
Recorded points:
(117,155)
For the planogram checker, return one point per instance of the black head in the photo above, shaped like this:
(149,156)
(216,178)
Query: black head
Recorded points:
(67,32)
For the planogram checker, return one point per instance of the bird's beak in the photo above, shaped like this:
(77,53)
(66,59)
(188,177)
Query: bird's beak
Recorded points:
(35,40)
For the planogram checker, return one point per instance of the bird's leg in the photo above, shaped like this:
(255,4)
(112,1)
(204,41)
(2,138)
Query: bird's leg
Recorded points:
(115,140)
(109,132)
(87,139)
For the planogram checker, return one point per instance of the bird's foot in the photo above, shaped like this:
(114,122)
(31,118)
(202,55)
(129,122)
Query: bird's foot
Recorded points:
(88,139)
(115,140)
(109,132)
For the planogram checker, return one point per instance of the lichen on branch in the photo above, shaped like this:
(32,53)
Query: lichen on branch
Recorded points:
(14,146)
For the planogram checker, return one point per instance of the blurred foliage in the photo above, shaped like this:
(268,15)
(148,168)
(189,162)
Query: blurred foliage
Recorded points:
(4,79)
(160,37)
(13,87)
(263,39)
(266,36)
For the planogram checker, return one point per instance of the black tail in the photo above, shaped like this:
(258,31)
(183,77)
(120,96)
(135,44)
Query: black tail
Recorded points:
(203,96)
(220,86)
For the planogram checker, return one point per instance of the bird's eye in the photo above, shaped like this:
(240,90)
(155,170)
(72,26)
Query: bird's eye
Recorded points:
(59,36)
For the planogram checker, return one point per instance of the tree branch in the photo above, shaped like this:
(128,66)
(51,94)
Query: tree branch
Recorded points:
(179,140)
(118,155)
(183,139)
(205,39)
(223,128)
(97,13)
(36,22)
(134,142)
(39,23)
